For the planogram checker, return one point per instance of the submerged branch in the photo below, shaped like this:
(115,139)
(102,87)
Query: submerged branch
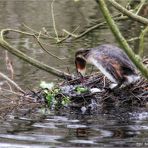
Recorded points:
(114,28)
(28,59)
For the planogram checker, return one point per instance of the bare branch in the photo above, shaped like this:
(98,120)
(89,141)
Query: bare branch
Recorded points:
(38,40)
(12,82)
(28,59)
(121,40)
(128,13)
(141,44)
(53,19)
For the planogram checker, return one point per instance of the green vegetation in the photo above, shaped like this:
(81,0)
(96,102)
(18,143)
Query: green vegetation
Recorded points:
(81,89)
(53,95)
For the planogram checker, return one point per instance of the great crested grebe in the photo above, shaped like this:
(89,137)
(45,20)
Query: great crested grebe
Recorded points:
(111,61)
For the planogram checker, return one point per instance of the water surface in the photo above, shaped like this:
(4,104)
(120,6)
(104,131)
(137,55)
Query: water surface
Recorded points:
(106,129)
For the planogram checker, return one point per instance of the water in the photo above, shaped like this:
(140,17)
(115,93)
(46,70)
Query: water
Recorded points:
(76,131)
(106,129)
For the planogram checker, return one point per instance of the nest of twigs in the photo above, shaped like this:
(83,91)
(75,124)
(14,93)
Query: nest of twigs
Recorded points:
(79,95)
(82,96)
(133,95)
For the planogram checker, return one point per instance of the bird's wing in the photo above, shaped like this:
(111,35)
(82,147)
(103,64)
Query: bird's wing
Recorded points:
(108,66)
(115,55)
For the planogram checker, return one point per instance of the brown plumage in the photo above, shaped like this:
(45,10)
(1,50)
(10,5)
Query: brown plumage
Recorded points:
(110,60)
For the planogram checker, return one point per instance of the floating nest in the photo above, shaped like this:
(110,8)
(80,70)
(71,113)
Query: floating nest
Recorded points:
(99,95)
(92,94)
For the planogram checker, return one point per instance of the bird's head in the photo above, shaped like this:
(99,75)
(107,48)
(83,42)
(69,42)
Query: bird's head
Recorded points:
(80,60)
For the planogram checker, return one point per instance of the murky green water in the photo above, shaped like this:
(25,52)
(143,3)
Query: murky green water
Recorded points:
(62,129)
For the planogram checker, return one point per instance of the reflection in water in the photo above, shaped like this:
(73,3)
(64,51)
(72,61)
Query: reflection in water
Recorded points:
(110,127)
(82,130)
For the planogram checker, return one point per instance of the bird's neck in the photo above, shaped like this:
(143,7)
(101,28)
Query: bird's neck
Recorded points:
(86,54)
(89,58)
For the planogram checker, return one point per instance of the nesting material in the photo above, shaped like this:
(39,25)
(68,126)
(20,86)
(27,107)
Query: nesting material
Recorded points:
(88,95)
(99,92)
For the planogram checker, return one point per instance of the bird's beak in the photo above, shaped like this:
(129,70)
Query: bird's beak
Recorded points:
(82,72)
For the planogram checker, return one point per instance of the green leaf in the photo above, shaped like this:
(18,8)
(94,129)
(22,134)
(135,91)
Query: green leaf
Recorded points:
(49,98)
(81,89)
(65,101)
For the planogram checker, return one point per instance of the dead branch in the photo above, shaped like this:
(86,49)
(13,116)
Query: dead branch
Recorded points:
(28,59)
(12,82)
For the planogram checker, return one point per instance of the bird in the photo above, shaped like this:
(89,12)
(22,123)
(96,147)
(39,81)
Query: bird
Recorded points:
(111,60)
